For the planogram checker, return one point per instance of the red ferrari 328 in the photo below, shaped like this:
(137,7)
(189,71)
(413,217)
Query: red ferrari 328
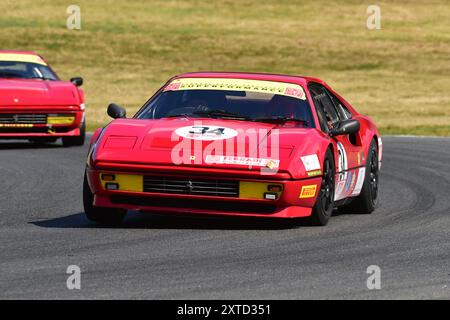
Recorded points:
(35,104)
(237,144)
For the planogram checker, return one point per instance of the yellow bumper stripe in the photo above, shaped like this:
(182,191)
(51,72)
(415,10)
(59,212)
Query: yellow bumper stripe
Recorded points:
(255,190)
(126,182)
(60,120)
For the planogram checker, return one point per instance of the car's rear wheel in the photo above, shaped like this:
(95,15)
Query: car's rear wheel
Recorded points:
(108,216)
(323,208)
(77,140)
(367,200)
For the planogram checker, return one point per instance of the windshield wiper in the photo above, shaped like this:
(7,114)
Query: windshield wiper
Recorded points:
(37,77)
(280,120)
(220,114)
(230,115)
(184,115)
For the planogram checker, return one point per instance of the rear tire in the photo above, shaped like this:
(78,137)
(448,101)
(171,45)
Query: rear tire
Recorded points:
(101,215)
(77,140)
(323,208)
(367,200)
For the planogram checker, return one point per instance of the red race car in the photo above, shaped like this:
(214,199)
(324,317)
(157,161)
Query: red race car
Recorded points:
(237,144)
(35,104)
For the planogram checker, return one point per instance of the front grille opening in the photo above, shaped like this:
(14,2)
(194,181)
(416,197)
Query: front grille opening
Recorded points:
(23,118)
(219,206)
(203,187)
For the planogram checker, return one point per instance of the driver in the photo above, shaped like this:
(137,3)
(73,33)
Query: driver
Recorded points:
(286,107)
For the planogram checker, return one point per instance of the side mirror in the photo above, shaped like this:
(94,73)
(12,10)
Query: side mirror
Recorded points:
(78,81)
(116,112)
(349,126)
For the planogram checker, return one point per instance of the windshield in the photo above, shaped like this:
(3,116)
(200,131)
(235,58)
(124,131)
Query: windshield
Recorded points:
(250,105)
(25,70)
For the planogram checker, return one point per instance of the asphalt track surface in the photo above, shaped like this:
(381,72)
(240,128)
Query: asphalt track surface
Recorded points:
(43,230)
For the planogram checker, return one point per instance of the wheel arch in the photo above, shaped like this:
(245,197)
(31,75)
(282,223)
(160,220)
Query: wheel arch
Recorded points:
(375,138)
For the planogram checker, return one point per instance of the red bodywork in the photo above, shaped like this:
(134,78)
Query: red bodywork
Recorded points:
(143,147)
(25,104)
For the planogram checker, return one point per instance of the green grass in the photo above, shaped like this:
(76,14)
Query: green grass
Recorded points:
(398,75)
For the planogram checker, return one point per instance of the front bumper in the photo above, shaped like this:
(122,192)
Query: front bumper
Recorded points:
(291,202)
(32,122)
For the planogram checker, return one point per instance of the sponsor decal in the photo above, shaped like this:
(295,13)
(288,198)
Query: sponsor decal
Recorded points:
(18,57)
(314,173)
(206,133)
(16,125)
(343,181)
(295,92)
(311,162)
(338,195)
(347,183)
(308,191)
(380,152)
(359,181)
(257,162)
(173,86)
(352,184)
(342,158)
(272,164)
(272,87)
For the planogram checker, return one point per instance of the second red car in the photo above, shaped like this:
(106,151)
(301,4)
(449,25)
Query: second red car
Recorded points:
(36,105)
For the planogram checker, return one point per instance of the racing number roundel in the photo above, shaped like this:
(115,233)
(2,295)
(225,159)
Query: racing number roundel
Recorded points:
(207,133)
(342,163)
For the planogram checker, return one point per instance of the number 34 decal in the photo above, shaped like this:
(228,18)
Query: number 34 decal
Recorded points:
(206,132)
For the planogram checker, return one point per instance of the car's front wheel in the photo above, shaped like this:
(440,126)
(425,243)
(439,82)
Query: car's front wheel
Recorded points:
(108,216)
(323,208)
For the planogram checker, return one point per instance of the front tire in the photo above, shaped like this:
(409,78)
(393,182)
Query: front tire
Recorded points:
(101,215)
(77,140)
(322,210)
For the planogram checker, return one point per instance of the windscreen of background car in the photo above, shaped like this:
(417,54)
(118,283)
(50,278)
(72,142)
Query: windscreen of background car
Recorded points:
(25,70)
(251,105)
